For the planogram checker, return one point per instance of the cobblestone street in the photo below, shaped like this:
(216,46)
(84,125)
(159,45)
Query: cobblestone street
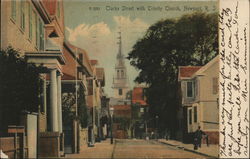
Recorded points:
(133,149)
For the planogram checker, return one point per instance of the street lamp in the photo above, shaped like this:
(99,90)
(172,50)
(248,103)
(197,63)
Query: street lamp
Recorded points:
(111,111)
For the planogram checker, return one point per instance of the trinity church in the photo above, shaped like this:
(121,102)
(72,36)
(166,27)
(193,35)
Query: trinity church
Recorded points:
(120,85)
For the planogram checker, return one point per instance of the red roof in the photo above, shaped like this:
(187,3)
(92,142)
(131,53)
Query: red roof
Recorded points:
(93,62)
(187,71)
(69,69)
(122,107)
(100,73)
(68,77)
(86,62)
(122,111)
(51,6)
(137,96)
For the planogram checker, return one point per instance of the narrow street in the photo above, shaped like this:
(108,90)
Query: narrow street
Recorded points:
(129,148)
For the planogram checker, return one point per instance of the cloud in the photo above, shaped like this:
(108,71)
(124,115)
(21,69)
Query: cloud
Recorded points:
(136,25)
(100,41)
(86,30)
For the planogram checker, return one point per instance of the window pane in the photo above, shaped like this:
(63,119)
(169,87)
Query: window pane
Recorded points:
(22,9)
(215,85)
(90,87)
(41,35)
(120,91)
(122,74)
(37,31)
(189,89)
(195,114)
(190,116)
(30,22)
(196,87)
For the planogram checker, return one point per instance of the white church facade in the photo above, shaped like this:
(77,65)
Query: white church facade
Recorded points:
(120,80)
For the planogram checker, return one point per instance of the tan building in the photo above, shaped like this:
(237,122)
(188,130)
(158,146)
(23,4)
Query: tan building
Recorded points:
(74,86)
(199,100)
(36,29)
(95,93)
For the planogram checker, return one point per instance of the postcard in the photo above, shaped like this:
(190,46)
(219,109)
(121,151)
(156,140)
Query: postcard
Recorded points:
(124,79)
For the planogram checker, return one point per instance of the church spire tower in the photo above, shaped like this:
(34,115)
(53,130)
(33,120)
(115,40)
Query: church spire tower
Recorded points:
(120,80)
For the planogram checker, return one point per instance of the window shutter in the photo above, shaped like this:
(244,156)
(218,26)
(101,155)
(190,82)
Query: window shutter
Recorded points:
(190,116)
(195,114)
(37,31)
(13,10)
(190,87)
(58,9)
(30,22)
(41,35)
(215,85)
(22,9)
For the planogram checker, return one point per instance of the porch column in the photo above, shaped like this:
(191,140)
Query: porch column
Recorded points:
(53,101)
(59,102)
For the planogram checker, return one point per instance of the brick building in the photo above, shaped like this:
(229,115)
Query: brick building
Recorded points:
(139,111)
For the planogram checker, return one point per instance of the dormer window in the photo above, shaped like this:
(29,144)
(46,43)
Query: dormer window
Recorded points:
(190,89)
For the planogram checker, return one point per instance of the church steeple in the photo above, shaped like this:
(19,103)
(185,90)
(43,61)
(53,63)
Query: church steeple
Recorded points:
(119,55)
(120,80)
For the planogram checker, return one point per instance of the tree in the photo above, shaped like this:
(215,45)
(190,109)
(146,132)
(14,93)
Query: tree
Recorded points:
(168,44)
(68,103)
(82,109)
(20,87)
(68,114)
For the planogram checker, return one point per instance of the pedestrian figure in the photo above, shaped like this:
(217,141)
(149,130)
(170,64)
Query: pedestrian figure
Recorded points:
(197,138)
(207,140)
(152,135)
(195,143)
(167,135)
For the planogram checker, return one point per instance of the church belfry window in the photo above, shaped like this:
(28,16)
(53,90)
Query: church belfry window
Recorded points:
(120,91)
(122,74)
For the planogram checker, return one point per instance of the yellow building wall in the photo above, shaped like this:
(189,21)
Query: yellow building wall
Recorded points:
(12,34)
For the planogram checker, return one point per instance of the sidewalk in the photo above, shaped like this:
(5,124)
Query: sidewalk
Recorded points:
(211,151)
(101,150)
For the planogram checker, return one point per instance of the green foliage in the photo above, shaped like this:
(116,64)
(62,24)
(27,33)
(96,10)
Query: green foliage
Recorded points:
(69,114)
(82,110)
(168,44)
(20,86)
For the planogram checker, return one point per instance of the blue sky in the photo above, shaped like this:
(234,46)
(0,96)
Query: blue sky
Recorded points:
(93,26)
